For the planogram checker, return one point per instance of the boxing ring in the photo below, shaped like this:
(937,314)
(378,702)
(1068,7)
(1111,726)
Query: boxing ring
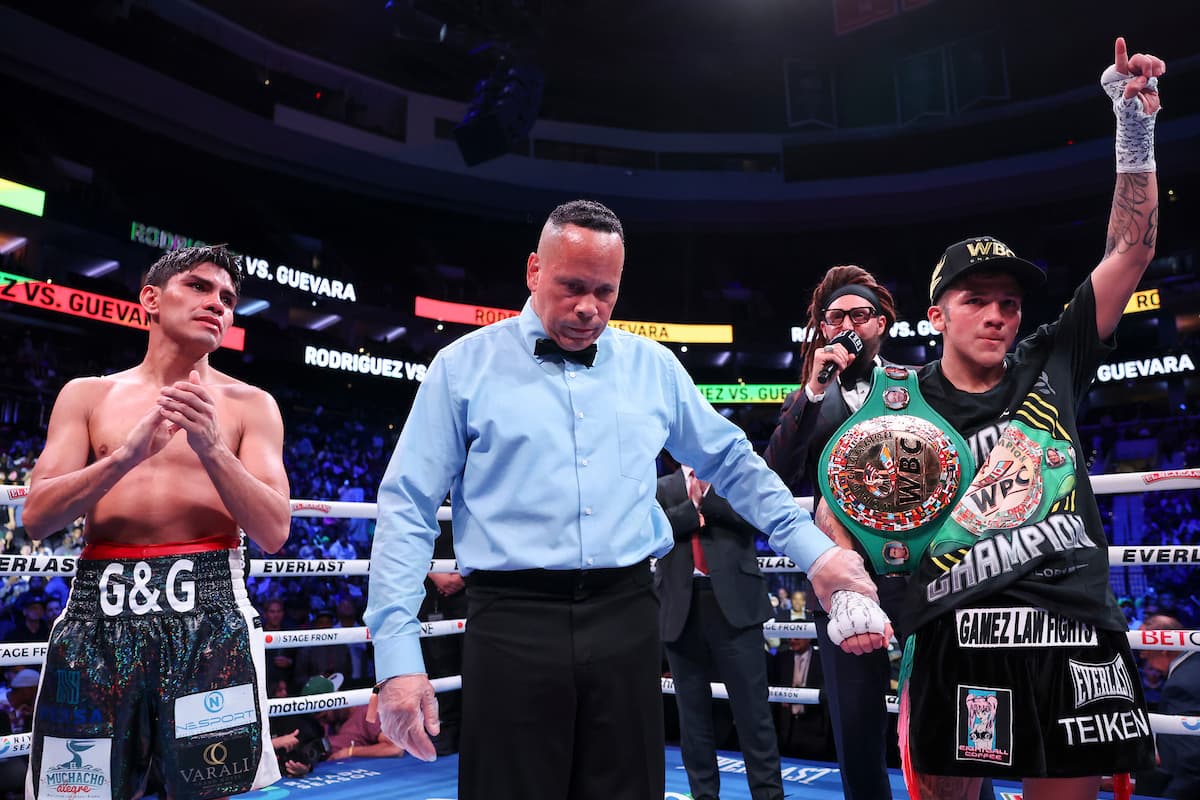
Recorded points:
(407,778)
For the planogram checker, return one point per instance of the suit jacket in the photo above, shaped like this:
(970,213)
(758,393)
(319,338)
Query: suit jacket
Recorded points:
(728,543)
(803,431)
(808,735)
(1181,754)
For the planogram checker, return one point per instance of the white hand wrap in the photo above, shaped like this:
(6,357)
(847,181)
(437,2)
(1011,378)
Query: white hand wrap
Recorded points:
(1135,128)
(851,613)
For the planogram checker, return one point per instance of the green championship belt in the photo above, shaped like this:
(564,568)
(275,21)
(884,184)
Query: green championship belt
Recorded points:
(895,468)
(1029,469)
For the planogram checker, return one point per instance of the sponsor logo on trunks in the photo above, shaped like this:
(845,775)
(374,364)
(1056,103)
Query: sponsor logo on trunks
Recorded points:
(67,688)
(984,725)
(1005,551)
(1094,682)
(206,712)
(1117,726)
(141,597)
(70,715)
(74,767)
(1020,627)
(208,766)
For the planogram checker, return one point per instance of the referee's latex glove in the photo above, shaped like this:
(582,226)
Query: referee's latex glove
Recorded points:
(408,714)
(859,627)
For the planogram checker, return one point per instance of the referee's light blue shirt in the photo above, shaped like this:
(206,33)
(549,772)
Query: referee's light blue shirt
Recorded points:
(550,464)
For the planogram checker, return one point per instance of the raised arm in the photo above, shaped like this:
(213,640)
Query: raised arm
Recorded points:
(1132,83)
(63,485)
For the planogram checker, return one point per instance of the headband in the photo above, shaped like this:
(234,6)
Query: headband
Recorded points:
(857,290)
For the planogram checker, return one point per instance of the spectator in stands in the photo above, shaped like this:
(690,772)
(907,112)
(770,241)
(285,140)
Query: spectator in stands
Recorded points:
(323,659)
(32,626)
(281,661)
(804,731)
(349,615)
(16,716)
(358,738)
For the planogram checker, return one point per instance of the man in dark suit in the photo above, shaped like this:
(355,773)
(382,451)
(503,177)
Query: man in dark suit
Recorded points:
(713,604)
(847,298)
(804,730)
(1178,775)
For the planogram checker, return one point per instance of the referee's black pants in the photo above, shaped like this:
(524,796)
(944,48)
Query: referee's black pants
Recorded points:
(562,691)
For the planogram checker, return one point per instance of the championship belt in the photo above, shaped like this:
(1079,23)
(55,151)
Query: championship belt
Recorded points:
(895,468)
(1029,470)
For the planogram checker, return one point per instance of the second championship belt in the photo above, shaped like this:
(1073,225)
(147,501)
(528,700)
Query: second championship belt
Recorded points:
(894,469)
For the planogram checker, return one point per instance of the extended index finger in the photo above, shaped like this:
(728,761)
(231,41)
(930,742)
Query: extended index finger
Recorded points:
(1121,56)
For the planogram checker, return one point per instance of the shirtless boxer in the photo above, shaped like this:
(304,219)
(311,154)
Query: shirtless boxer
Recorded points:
(156,666)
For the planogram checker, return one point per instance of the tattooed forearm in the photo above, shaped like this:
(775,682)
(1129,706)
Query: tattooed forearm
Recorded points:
(1133,221)
(824,519)
(1151,236)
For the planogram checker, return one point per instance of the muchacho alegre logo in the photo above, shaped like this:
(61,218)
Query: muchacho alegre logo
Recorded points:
(83,772)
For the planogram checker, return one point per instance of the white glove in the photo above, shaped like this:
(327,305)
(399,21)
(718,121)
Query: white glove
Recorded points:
(851,613)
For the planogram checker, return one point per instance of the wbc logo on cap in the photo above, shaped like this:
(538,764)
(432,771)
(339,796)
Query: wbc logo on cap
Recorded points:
(987,248)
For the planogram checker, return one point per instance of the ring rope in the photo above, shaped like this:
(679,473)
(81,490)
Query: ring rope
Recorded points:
(34,653)
(14,494)
(20,744)
(1118,556)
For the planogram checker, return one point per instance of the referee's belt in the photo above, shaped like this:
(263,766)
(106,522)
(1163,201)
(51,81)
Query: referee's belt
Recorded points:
(895,470)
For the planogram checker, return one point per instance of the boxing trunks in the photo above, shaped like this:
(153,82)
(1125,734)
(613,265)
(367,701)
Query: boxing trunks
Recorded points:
(1047,696)
(154,676)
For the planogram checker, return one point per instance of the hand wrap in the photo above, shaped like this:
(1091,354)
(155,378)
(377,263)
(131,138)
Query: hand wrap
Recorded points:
(851,613)
(1135,128)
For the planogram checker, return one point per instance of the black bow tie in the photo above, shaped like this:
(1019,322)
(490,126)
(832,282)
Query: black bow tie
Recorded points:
(549,347)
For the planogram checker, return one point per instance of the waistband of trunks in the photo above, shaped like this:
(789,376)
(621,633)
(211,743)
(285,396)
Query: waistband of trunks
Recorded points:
(210,580)
(106,550)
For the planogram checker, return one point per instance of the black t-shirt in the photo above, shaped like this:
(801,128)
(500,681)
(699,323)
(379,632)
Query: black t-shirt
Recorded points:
(1058,561)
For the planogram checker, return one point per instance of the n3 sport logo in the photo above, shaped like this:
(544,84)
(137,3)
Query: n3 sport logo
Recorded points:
(207,712)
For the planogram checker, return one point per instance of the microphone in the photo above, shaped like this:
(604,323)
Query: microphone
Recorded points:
(847,339)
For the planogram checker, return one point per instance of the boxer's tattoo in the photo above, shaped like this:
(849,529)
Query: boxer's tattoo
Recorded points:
(824,519)
(1132,222)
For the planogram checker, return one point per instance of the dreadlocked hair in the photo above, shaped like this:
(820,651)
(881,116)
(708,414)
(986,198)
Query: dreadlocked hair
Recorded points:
(835,279)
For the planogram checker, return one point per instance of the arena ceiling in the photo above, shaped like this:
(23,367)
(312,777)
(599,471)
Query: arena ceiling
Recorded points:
(708,65)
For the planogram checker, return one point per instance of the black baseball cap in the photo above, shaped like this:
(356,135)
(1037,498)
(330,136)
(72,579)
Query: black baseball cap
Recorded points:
(982,253)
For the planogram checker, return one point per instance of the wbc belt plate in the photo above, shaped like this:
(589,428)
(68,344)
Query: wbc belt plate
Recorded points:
(894,473)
